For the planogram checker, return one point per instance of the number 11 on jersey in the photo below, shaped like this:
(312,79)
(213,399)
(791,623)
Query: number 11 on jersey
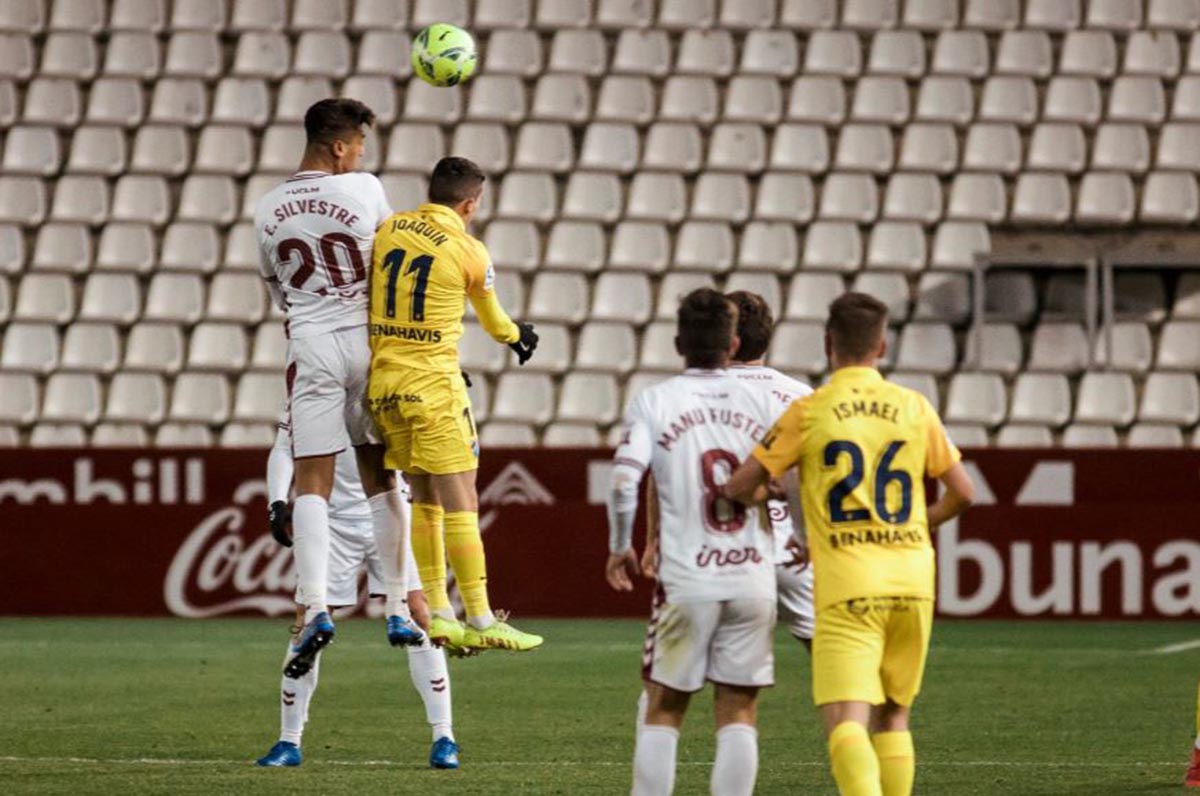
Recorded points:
(393,264)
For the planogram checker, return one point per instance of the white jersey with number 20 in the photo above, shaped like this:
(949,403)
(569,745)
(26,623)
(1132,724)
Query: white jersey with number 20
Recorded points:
(692,431)
(316,233)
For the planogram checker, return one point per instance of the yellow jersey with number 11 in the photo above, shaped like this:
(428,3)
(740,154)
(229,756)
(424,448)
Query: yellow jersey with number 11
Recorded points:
(425,267)
(863,447)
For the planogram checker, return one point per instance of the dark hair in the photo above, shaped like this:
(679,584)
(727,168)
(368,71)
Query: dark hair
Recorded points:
(455,180)
(856,325)
(333,119)
(706,324)
(755,326)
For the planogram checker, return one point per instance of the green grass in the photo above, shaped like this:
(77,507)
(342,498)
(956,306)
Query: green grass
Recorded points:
(1028,709)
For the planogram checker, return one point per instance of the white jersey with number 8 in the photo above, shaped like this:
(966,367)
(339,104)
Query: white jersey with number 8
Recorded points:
(316,232)
(692,431)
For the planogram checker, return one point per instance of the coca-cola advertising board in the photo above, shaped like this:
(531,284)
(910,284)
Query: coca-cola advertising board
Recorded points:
(1055,534)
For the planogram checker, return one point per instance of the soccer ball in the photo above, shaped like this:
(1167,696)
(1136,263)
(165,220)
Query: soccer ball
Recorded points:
(444,55)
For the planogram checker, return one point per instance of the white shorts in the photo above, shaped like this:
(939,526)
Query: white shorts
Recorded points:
(728,643)
(795,587)
(327,392)
(351,546)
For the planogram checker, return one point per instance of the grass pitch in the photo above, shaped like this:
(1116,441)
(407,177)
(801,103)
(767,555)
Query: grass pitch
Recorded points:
(178,706)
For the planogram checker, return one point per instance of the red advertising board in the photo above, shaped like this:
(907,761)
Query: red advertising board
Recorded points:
(1057,534)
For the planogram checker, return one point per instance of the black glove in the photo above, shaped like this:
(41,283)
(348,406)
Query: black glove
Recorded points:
(466,377)
(280,520)
(525,347)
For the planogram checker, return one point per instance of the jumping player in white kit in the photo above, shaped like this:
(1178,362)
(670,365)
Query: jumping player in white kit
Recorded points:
(316,233)
(714,613)
(352,547)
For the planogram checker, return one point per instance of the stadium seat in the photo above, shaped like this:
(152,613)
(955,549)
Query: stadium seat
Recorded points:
(675,15)
(896,246)
(1185,106)
(581,52)
(944,297)
(1041,398)
(1106,398)
(259,396)
(112,298)
(1025,52)
(799,147)
(19,398)
(657,197)
(412,147)
(1065,298)
(91,347)
(183,435)
(429,12)
(927,348)
(770,52)
(720,197)
(559,297)
(112,100)
(1179,147)
(1059,347)
(636,246)
(553,14)
(95,150)
(1154,54)
(785,197)
(750,98)
(658,347)
(674,287)
(977,197)
(126,247)
(120,435)
(140,198)
(486,144)
(1000,350)
(136,398)
(747,14)
(58,435)
(31,347)
(689,98)
(179,101)
(642,52)
(218,346)
(497,98)
(262,54)
(623,297)
(673,146)
(913,197)
(514,52)
(178,298)
(966,435)
(608,347)
(767,245)
(1020,435)
(235,297)
(849,197)
(1154,435)
(890,288)
(880,99)
(207,15)
(945,99)
(833,52)
(1057,147)
(1089,436)
(592,197)
(930,15)
(1173,14)
(385,53)
(16,56)
(270,347)
(865,147)
(562,98)
(201,398)
(209,198)
(242,100)
(899,53)
(809,296)
(73,55)
(426,103)
(1170,398)
(1139,297)
(1117,15)
(1041,199)
(513,244)
(1106,199)
(45,297)
(817,99)
(1133,348)
(62,247)
(705,246)
(12,250)
(1011,99)
(1054,15)
(976,398)
(243,435)
(224,150)
(1187,297)
(762,284)
(833,246)
(929,147)
(71,398)
(610,146)
(161,150)
(1137,99)
(155,347)
(994,147)
(319,15)
(571,435)
(133,54)
(193,53)
(798,347)
(23,199)
(808,14)
(323,53)
(1179,345)
(524,397)
(1121,147)
(508,435)
(1074,100)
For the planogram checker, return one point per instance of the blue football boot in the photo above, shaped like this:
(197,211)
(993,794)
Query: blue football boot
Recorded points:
(403,632)
(316,636)
(283,754)
(444,754)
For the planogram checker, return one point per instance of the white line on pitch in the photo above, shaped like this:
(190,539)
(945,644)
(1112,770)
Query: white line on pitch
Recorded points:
(1171,649)
(167,761)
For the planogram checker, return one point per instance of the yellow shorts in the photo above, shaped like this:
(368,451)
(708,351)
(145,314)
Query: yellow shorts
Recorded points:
(871,650)
(425,420)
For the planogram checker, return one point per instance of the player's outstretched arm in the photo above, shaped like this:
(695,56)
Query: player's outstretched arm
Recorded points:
(749,482)
(957,497)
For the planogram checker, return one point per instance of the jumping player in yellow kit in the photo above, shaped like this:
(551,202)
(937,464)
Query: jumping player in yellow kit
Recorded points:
(863,447)
(425,267)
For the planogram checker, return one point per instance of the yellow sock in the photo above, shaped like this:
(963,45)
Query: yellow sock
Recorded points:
(897,762)
(465,548)
(855,767)
(429,549)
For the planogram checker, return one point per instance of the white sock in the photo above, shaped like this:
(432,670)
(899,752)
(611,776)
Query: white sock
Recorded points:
(310,525)
(736,767)
(654,761)
(391,519)
(431,678)
(294,698)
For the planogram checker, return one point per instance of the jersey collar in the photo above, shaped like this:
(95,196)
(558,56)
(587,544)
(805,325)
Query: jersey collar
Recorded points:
(308,175)
(703,372)
(855,373)
(445,215)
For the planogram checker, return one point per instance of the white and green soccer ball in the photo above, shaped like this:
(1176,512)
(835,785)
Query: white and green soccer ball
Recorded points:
(444,55)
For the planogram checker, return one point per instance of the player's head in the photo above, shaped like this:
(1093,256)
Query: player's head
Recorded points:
(336,133)
(755,326)
(707,329)
(457,183)
(854,333)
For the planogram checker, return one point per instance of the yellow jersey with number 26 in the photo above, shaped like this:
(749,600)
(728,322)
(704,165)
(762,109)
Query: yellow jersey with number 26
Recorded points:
(863,447)
(425,267)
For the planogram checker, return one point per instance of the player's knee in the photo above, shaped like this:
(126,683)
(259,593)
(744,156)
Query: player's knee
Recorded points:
(314,476)
(735,705)
(665,705)
(889,717)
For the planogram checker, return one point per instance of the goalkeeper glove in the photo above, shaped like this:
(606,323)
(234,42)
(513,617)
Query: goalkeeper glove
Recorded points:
(279,518)
(526,345)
